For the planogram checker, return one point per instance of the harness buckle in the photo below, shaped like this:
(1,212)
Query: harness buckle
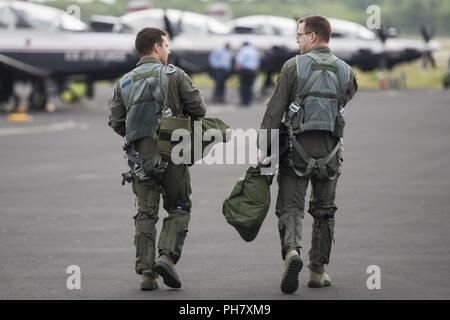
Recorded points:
(125,144)
(163,163)
(294,108)
(168,113)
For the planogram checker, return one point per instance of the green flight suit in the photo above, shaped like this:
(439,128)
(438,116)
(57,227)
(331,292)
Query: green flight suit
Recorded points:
(175,186)
(292,189)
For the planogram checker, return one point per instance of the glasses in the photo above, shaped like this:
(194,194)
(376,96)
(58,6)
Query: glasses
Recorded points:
(299,35)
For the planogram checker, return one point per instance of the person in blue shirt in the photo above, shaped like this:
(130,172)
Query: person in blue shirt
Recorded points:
(220,63)
(247,64)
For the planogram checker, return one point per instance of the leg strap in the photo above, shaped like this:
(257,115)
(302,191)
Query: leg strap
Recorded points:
(320,164)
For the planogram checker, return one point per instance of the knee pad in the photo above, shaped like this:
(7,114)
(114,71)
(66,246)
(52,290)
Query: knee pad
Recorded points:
(324,214)
(184,207)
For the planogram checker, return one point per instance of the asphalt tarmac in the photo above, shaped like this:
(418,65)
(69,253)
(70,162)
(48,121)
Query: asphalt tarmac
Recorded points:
(62,204)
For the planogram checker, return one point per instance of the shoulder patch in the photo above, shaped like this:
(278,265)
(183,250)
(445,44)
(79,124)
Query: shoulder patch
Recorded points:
(170,68)
(126,83)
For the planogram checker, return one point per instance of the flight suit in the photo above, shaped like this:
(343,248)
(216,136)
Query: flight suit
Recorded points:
(292,189)
(175,188)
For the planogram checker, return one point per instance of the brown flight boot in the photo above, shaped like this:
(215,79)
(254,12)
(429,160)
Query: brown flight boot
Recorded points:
(165,267)
(149,282)
(319,280)
(293,266)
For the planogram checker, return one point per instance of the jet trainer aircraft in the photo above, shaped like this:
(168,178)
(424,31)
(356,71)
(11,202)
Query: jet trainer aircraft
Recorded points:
(44,46)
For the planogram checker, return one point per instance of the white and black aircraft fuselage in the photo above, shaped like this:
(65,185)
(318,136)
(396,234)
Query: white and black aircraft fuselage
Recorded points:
(194,36)
(55,53)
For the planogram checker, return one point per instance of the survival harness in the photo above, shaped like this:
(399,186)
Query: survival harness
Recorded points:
(154,168)
(319,68)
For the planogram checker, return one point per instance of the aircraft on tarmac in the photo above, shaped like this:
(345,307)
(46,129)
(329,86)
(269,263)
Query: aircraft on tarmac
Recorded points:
(44,45)
(46,48)
(350,41)
(194,36)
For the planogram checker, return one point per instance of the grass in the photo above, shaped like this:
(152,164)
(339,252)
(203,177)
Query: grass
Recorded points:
(409,75)
(413,75)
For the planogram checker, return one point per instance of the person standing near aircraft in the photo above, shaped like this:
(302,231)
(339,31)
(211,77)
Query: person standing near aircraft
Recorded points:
(311,93)
(139,98)
(220,63)
(247,64)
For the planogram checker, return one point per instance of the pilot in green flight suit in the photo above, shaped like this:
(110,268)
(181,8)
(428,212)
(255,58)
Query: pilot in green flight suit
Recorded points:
(311,93)
(136,109)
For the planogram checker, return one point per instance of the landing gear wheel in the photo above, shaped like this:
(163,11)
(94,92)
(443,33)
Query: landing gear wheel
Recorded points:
(38,98)
(10,105)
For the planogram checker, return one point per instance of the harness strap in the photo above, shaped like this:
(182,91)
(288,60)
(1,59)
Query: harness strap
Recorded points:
(148,74)
(339,93)
(320,66)
(312,163)
(164,85)
(147,166)
(293,109)
(333,75)
(309,84)
(322,95)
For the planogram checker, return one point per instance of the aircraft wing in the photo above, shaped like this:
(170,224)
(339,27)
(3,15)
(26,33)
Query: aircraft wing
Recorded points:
(22,69)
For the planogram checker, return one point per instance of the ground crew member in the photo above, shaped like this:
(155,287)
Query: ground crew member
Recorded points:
(247,63)
(136,108)
(307,106)
(220,63)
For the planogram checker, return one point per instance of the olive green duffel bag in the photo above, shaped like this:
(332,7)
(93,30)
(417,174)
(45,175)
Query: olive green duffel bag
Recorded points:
(248,203)
(214,131)
(169,124)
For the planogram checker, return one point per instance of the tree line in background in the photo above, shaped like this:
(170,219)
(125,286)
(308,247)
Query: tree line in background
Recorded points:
(406,15)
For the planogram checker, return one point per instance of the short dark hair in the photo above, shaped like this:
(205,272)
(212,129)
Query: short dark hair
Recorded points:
(147,38)
(319,25)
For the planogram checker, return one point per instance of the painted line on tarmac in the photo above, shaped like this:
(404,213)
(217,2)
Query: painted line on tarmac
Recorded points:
(68,125)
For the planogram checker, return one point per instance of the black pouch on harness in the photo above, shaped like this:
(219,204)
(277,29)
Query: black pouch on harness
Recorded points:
(157,172)
(145,170)
(153,169)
